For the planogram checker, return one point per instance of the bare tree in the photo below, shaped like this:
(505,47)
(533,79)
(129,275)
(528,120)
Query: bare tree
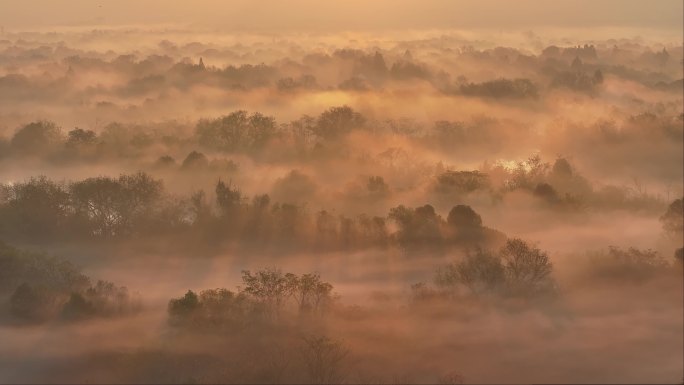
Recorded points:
(527,268)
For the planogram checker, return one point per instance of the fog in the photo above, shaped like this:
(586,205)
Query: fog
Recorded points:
(261,192)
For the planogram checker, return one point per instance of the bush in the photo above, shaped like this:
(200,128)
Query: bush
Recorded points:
(516,270)
(632,264)
(481,272)
(33,303)
(20,267)
(214,309)
(44,287)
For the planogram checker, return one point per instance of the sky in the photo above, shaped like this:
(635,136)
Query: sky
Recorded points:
(334,15)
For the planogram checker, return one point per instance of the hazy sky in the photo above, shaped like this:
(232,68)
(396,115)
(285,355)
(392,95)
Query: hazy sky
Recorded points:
(344,14)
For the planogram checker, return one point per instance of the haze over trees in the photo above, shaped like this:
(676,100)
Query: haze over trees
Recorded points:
(190,205)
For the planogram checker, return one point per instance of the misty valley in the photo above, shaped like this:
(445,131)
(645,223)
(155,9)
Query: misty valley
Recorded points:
(402,207)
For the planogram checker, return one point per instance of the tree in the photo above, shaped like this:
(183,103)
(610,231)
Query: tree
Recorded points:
(561,168)
(290,222)
(377,185)
(373,230)
(546,192)
(112,207)
(32,303)
(223,308)
(259,224)
(270,287)
(107,299)
(165,161)
(98,202)
(337,121)
(529,173)
(419,226)
(527,268)
(465,227)
(501,88)
(214,309)
(673,219)
(195,160)
(77,307)
(237,131)
(407,69)
(324,359)
(141,191)
(261,130)
(371,67)
(36,138)
(79,137)
(260,202)
(460,182)
(42,287)
(578,80)
(20,267)
(326,227)
(38,208)
(310,292)
(260,300)
(182,307)
(598,77)
(464,217)
(576,64)
(228,198)
(295,187)
(516,270)
(482,272)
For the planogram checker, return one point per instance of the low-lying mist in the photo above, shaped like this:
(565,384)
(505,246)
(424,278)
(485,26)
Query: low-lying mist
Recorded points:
(185,206)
